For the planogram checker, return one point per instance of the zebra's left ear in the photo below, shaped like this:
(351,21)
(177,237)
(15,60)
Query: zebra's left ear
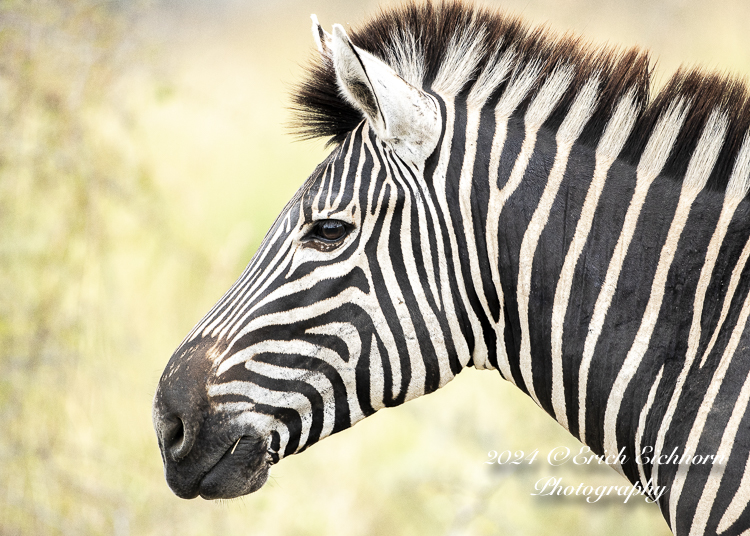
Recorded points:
(322,38)
(400,114)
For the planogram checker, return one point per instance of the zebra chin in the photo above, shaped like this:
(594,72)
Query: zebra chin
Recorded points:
(235,469)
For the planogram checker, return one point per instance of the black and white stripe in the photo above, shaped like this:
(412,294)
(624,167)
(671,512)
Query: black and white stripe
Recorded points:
(511,201)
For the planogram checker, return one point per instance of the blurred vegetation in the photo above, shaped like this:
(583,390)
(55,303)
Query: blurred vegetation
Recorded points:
(142,157)
(65,185)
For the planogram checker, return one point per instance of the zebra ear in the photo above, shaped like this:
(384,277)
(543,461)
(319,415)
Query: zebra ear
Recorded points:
(400,114)
(322,38)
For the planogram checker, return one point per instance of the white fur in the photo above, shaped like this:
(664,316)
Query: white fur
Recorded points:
(700,165)
(460,61)
(539,110)
(572,126)
(518,88)
(736,190)
(405,117)
(475,102)
(642,425)
(699,169)
(615,134)
(695,433)
(652,161)
(480,352)
(409,57)
(740,499)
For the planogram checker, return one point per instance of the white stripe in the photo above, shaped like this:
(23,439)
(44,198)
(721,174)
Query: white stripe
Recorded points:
(242,303)
(244,417)
(512,97)
(391,284)
(316,380)
(490,78)
(742,496)
(377,376)
(327,178)
(406,57)
(571,128)
(700,419)
(345,176)
(439,184)
(731,201)
(734,282)
(481,90)
(293,257)
(258,276)
(737,189)
(373,308)
(277,399)
(460,61)
(475,102)
(261,273)
(425,231)
(652,161)
(444,298)
(431,321)
(245,285)
(297,257)
(642,426)
(615,135)
(537,113)
(739,183)
(415,387)
(347,369)
(711,487)
(699,169)
(481,360)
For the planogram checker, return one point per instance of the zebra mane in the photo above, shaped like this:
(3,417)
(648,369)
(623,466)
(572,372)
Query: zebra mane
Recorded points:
(449,48)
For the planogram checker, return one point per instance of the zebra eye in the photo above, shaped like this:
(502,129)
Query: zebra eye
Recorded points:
(328,231)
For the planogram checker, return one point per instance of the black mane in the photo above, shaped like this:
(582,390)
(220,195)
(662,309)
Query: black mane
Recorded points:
(321,111)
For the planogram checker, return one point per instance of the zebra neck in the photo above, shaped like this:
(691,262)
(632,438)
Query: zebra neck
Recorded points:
(573,273)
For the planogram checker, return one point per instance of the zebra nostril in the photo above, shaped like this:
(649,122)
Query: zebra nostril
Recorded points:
(177,440)
(177,436)
(177,415)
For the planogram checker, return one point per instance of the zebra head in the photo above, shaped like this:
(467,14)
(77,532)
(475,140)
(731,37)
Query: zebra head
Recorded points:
(329,321)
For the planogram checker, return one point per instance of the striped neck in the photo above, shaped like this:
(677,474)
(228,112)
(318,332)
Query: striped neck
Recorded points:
(580,268)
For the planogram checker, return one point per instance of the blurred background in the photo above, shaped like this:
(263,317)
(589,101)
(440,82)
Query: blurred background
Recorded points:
(143,154)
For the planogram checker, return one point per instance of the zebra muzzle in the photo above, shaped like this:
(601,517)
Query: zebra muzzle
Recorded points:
(224,462)
(206,452)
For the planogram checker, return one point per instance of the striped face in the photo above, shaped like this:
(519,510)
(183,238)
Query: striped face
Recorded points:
(337,315)
(315,335)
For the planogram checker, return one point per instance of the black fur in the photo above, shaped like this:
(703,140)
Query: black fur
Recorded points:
(321,111)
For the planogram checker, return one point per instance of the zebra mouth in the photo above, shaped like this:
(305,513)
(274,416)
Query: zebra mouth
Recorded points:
(241,470)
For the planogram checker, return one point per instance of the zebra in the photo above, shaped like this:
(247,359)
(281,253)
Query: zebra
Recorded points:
(502,198)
